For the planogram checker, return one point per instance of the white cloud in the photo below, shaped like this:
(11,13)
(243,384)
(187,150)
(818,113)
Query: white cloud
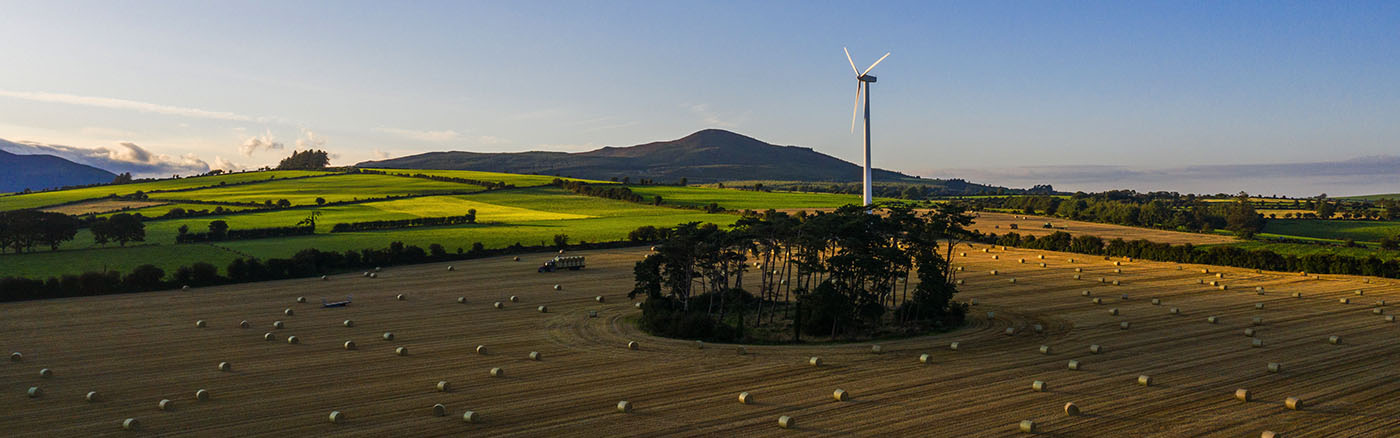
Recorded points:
(113,103)
(122,157)
(221,163)
(433,136)
(310,140)
(253,144)
(714,119)
(380,155)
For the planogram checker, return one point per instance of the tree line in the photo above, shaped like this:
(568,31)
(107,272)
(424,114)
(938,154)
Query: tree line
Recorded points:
(489,185)
(836,274)
(1164,210)
(344,227)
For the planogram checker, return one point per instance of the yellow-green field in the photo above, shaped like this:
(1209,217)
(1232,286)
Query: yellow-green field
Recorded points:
(335,188)
(44,199)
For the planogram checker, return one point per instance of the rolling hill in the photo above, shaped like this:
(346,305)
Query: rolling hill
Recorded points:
(38,172)
(711,155)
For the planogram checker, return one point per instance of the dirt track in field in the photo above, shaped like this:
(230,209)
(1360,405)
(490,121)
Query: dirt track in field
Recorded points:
(138,349)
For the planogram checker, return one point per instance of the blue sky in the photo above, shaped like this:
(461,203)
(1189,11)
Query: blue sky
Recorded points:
(1002,92)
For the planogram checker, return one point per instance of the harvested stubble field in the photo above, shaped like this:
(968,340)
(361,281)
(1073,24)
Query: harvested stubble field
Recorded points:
(1000,223)
(138,349)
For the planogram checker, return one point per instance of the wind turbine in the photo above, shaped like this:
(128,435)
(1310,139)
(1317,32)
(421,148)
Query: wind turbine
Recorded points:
(863,80)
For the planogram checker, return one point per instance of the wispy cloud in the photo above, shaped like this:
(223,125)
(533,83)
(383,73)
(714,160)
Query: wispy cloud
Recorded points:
(122,157)
(430,136)
(113,103)
(310,140)
(221,163)
(379,155)
(264,142)
(714,119)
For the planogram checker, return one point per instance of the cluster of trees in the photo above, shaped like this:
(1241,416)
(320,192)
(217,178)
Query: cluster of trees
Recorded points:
(489,185)
(845,270)
(1166,210)
(606,191)
(468,218)
(1215,255)
(310,159)
(22,230)
(219,231)
(120,228)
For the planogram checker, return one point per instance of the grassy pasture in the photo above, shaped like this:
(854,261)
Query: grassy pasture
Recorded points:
(42,199)
(102,206)
(1302,249)
(515,179)
(139,348)
(333,188)
(734,199)
(162,209)
(1361,231)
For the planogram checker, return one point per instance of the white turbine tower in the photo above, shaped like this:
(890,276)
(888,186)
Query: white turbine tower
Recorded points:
(863,80)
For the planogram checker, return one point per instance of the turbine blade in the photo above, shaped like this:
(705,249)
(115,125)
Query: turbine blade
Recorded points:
(877,62)
(853,63)
(855,109)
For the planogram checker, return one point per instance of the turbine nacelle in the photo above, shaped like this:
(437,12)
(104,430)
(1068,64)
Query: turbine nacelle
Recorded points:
(866,78)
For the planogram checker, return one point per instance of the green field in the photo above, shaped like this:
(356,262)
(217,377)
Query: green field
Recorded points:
(43,199)
(1372,197)
(514,179)
(1361,231)
(1303,249)
(161,210)
(733,199)
(333,188)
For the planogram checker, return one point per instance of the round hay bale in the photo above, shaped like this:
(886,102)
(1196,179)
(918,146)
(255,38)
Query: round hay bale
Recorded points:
(925,358)
(960,269)
(1256,343)
(92,396)
(1175,310)
(1256,321)
(1144,380)
(1293,403)
(624,407)
(1115,282)
(1213,320)
(1071,260)
(1199,281)
(745,398)
(166,405)
(288,312)
(301,300)
(1344,300)
(633,345)
(373,275)
(185,287)
(1013,281)
(814,361)
(1378,311)
(1249,332)
(1095,348)
(323,278)
(269,337)
(1097,301)
(366,274)
(536,356)
(498,305)
(1023,261)
(1220,275)
(1258,306)
(350,345)
(461,300)
(225,366)
(1077,276)
(1044,349)
(1074,365)
(439,410)
(996,257)
(293,340)
(202,395)
(1156,302)
(740,350)
(1224,287)
(1242,395)
(469,416)
(876,349)
(1117,271)
(1269,434)
(1038,328)
(557,287)
(592,313)
(278,325)
(45,373)
(199,324)
(16,356)
(991,315)
(388,336)
(1297,295)
(953,346)
(1010,331)
(543,309)
(1086,293)
(443,386)
(401,351)
(840,395)
(1071,409)
(1359,292)
(1123,325)
(1117,263)
(348,323)
(1027,426)
(377,269)
(1390,318)
(598,298)
(1380,303)
(514,299)
(994,272)
(960,282)
(337,417)
(1113,311)
(1103,280)
(1275,367)
(34,392)
(400,297)
(1258,288)
(962,254)
(480,349)
(1039,386)
(699,345)
(787,422)
(450,268)
(1334,340)
(515,259)
(1214,283)
(974,302)
(498,372)
(244,324)
(131,424)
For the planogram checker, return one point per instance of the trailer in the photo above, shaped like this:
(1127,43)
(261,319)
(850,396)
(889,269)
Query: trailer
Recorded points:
(336,303)
(572,263)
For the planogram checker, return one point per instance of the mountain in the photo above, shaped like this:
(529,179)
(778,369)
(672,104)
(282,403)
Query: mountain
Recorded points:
(37,172)
(711,155)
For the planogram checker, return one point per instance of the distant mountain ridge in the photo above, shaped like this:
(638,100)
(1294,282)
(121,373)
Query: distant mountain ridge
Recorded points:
(38,172)
(707,156)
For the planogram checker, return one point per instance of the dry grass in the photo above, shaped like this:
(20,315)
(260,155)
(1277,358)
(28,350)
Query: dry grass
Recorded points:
(138,349)
(1000,223)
